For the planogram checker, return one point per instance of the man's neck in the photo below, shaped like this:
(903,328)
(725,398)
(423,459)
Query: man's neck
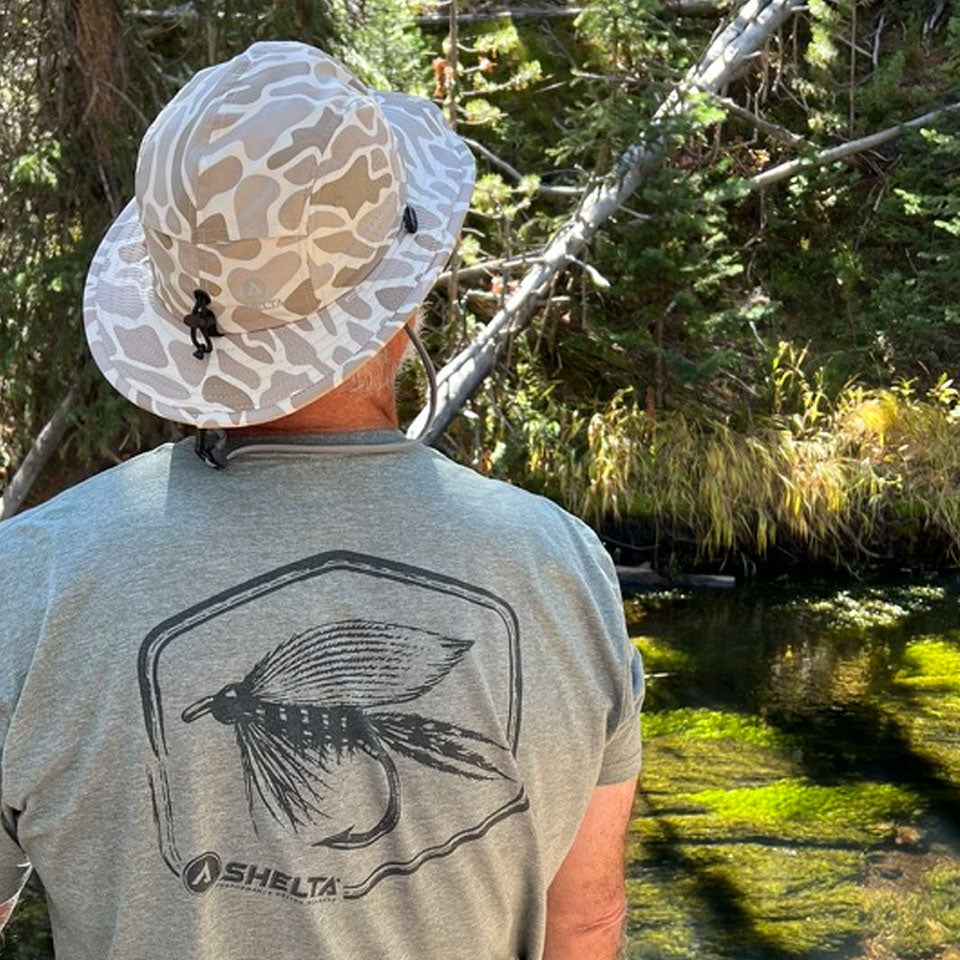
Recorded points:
(336,412)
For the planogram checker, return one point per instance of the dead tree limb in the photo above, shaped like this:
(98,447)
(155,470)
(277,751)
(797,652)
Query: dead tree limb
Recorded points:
(490,267)
(773,130)
(755,22)
(679,8)
(513,172)
(844,150)
(47,441)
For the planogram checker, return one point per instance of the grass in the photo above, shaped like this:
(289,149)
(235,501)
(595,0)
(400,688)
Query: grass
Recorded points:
(863,474)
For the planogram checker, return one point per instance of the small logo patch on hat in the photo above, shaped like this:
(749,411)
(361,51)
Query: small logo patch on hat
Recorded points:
(253,290)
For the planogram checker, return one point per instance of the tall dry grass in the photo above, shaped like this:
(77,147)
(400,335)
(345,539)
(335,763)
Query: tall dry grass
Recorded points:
(866,473)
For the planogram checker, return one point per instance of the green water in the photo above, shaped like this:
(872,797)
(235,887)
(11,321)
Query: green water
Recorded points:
(801,789)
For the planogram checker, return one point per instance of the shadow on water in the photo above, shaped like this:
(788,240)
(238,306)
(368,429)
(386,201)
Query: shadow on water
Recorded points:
(865,742)
(719,899)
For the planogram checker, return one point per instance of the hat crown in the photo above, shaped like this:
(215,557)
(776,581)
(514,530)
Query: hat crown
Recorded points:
(273,182)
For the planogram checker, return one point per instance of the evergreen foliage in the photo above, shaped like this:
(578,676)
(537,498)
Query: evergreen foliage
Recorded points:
(677,314)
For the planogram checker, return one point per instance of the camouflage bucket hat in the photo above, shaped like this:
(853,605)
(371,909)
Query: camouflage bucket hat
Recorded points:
(287,221)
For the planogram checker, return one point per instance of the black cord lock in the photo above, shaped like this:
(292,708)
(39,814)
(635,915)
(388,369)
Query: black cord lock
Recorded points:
(211,447)
(202,322)
(410,219)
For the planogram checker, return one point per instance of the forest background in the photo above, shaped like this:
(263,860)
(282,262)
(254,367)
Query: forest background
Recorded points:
(744,361)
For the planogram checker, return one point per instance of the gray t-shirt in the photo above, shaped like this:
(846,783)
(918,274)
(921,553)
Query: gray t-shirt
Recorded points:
(310,706)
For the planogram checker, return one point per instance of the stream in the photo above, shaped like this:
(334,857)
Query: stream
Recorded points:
(800,796)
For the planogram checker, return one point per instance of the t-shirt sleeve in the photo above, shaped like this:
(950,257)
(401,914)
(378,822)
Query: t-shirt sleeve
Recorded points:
(622,755)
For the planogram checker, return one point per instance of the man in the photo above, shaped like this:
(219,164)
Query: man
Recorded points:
(338,696)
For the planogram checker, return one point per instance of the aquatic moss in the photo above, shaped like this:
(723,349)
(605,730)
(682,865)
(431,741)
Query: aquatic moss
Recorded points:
(716,901)
(857,804)
(930,663)
(660,656)
(703,724)
(918,923)
(871,609)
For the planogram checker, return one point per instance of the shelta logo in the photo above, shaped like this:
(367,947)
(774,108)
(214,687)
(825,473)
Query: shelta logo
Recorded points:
(208,870)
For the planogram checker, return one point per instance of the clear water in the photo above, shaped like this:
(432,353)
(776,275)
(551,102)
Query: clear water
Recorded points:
(801,787)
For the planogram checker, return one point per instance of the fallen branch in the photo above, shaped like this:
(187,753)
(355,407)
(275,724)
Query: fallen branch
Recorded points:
(636,579)
(515,174)
(15,492)
(679,8)
(773,130)
(844,150)
(458,380)
(490,266)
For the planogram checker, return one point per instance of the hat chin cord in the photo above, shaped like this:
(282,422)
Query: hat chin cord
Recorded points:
(216,448)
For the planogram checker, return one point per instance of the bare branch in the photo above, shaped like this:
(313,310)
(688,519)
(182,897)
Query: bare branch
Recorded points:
(756,21)
(47,441)
(764,126)
(490,266)
(513,172)
(792,167)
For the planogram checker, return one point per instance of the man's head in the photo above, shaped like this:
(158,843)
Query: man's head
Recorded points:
(287,222)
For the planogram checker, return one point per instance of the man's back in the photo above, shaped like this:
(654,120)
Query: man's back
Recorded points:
(309,706)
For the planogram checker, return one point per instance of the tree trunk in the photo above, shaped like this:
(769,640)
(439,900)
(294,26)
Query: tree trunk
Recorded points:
(94,37)
(47,441)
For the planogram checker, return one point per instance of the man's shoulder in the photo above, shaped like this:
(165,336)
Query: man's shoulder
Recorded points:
(123,485)
(498,503)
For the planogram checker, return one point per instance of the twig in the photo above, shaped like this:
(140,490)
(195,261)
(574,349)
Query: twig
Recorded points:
(853,68)
(876,41)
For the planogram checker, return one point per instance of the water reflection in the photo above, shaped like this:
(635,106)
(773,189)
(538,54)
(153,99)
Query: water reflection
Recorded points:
(801,791)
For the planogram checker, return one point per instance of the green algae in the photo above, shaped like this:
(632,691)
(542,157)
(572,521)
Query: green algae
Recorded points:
(919,921)
(659,656)
(851,807)
(931,663)
(705,724)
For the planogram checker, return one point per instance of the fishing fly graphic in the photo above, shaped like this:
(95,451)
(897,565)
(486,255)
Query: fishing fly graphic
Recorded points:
(319,698)
(339,724)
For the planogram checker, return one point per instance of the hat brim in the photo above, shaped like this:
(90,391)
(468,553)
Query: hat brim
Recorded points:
(145,351)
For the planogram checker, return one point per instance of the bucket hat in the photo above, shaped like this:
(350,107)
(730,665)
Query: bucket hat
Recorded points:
(287,220)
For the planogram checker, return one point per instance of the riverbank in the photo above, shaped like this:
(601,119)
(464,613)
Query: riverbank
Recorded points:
(858,479)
